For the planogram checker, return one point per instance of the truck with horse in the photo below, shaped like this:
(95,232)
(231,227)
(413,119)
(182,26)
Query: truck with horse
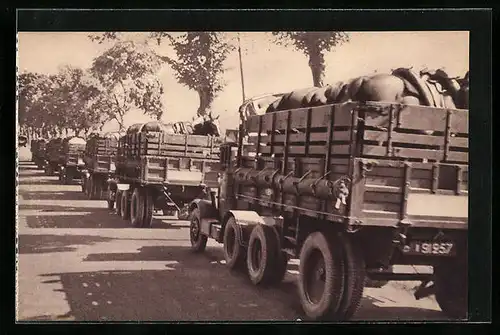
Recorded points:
(164,166)
(352,179)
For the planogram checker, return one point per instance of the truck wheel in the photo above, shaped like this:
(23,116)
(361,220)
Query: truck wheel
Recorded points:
(263,255)
(321,276)
(118,201)
(354,278)
(110,197)
(450,280)
(67,178)
(198,240)
(148,207)
(98,189)
(125,208)
(234,252)
(136,208)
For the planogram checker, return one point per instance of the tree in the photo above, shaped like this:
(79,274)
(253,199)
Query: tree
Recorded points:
(199,63)
(72,99)
(313,45)
(127,75)
(34,94)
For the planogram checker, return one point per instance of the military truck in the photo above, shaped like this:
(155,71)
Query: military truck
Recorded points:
(99,158)
(38,152)
(53,155)
(348,189)
(156,169)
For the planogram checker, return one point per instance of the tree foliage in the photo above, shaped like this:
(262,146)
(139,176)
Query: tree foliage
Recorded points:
(54,104)
(198,60)
(314,45)
(127,73)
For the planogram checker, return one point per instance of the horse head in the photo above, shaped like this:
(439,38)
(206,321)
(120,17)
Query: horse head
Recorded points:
(206,125)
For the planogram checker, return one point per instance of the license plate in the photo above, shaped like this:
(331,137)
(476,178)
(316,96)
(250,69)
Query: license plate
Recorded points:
(429,248)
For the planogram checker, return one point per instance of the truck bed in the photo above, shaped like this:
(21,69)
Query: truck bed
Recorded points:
(184,171)
(396,174)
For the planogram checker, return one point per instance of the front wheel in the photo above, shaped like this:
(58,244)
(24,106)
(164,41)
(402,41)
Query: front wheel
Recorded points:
(118,201)
(321,276)
(198,240)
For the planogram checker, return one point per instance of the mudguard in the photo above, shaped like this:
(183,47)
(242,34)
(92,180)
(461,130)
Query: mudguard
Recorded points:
(207,210)
(113,185)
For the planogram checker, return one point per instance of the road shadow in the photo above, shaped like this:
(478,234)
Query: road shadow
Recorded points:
(93,218)
(37,244)
(375,308)
(53,195)
(190,287)
(86,217)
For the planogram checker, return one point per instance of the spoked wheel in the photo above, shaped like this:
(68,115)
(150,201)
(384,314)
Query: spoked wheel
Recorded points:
(450,280)
(321,276)
(198,240)
(234,252)
(264,256)
(125,208)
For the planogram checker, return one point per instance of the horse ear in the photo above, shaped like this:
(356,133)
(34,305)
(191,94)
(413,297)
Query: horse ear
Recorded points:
(217,117)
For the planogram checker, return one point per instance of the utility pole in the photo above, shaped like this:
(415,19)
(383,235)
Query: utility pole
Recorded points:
(241,69)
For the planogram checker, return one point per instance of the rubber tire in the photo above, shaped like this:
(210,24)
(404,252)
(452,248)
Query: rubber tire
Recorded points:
(450,282)
(264,272)
(84,184)
(125,208)
(354,278)
(199,245)
(327,307)
(98,189)
(136,208)
(237,259)
(147,209)
(118,202)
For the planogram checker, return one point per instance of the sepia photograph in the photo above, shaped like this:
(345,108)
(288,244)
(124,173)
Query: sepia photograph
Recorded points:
(242,176)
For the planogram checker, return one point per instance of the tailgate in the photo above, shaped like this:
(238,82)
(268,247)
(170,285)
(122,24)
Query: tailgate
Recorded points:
(180,171)
(388,193)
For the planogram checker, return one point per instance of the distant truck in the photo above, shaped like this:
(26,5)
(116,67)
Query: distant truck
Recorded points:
(350,189)
(156,169)
(71,159)
(100,159)
(65,157)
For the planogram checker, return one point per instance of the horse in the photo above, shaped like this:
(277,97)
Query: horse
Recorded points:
(206,125)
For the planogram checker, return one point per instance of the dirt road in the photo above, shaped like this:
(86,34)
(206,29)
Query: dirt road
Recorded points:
(79,261)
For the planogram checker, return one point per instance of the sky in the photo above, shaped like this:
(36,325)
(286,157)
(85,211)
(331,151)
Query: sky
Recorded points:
(267,68)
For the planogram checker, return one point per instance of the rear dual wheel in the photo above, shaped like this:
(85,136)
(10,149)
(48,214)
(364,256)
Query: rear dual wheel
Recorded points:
(331,277)
(266,263)
(141,208)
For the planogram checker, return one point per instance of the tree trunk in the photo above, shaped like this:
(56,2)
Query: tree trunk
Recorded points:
(317,65)
(119,118)
(205,102)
